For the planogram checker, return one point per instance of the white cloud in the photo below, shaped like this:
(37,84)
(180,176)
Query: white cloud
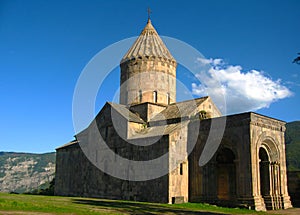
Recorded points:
(210,61)
(241,91)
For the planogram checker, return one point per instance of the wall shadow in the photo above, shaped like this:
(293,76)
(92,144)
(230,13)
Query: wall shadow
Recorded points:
(139,207)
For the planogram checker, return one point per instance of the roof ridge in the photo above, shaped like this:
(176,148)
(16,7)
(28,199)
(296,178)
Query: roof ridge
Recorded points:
(133,117)
(204,97)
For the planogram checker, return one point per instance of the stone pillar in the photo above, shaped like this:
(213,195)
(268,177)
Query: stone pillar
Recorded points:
(284,197)
(277,199)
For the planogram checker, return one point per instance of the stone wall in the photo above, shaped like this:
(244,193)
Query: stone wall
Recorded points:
(147,110)
(267,137)
(77,174)
(140,78)
(205,182)
(178,176)
(294,187)
(244,136)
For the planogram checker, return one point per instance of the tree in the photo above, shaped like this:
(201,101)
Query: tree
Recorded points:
(297,59)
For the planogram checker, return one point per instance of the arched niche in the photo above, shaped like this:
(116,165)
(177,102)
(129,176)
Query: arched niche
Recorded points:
(226,174)
(264,172)
(269,173)
(270,144)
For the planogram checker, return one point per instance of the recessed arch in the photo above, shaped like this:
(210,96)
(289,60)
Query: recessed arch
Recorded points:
(270,144)
(271,148)
(264,172)
(226,174)
(229,142)
(268,156)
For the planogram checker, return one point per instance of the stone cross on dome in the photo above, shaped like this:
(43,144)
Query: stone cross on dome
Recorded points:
(149,12)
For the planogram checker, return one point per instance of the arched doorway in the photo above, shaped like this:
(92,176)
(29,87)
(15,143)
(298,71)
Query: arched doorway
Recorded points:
(226,175)
(269,169)
(264,173)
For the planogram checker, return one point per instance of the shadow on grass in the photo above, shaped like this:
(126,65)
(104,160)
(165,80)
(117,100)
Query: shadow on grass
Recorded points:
(139,207)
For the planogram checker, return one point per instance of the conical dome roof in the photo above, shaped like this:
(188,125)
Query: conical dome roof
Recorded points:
(148,44)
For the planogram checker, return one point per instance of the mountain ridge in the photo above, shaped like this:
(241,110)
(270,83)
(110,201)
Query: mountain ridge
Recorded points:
(23,172)
(292,141)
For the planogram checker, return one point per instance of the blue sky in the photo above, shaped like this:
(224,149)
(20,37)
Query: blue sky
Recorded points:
(44,46)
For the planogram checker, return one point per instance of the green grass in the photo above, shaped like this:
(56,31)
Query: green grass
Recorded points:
(74,205)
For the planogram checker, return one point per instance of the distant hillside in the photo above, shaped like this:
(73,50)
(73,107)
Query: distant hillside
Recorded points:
(23,172)
(292,140)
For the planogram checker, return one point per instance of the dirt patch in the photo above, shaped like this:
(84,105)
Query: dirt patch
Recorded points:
(291,211)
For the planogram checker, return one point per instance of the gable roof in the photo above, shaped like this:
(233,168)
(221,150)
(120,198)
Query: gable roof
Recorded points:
(180,110)
(179,113)
(126,113)
(69,144)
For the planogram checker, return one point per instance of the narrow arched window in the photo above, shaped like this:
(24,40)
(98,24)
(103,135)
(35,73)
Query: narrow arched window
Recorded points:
(168,98)
(140,95)
(181,169)
(155,96)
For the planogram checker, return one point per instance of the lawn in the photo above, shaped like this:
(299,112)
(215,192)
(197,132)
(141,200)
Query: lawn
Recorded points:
(34,204)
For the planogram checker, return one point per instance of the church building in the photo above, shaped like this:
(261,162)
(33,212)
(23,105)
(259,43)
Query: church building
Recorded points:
(244,167)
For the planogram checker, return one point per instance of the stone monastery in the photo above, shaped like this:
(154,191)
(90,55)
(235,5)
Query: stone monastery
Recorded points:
(152,148)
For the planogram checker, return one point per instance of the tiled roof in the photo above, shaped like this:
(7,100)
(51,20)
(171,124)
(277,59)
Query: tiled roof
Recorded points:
(179,110)
(148,44)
